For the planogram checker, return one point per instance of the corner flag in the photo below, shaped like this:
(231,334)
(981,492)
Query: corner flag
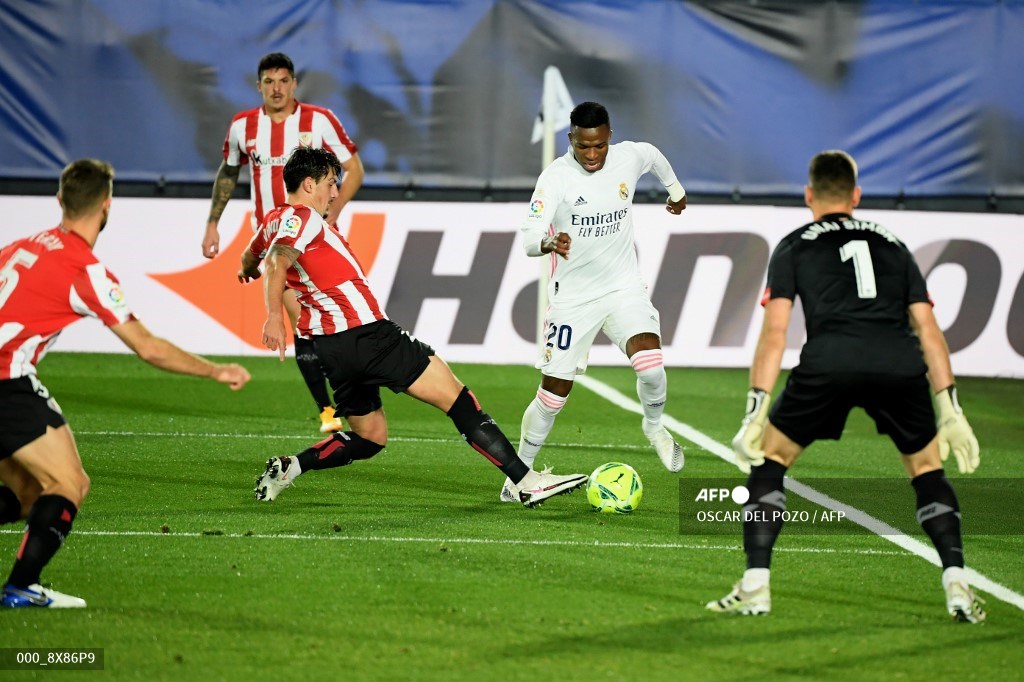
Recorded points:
(555,105)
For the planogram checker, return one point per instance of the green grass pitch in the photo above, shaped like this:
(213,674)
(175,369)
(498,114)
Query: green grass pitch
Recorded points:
(408,567)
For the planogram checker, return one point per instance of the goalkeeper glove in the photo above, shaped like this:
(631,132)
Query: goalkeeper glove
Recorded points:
(747,443)
(955,433)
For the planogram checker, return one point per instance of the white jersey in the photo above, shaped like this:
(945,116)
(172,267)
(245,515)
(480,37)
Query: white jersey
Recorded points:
(596,210)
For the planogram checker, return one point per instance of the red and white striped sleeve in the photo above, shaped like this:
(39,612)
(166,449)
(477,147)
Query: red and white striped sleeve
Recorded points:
(296,227)
(95,292)
(259,243)
(234,141)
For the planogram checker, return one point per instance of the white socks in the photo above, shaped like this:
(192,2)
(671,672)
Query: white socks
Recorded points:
(755,579)
(954,574)
(651,383)
(538,420)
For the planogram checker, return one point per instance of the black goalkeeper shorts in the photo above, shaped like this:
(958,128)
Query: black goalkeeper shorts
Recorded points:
(26,409)
(815,407)
(359,361)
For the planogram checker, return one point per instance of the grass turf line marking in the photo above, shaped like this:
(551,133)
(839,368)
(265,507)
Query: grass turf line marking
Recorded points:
(853,514)
(694,436)
(396,439)
(455,541)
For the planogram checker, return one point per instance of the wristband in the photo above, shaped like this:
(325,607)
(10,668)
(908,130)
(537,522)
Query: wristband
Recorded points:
(676,191)
(954,400)
(755,399)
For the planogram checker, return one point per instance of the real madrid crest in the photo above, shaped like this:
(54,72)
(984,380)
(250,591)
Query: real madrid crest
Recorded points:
(623,191)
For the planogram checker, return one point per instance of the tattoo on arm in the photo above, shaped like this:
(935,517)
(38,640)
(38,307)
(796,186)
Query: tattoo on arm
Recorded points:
(289,252)
(223,187)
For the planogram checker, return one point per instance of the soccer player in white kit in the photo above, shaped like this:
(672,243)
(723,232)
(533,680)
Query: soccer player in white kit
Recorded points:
(582,214)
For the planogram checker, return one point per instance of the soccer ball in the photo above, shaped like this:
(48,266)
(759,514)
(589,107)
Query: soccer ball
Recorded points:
(614,488)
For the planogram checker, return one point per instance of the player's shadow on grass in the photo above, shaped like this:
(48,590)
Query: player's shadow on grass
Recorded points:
(718,635)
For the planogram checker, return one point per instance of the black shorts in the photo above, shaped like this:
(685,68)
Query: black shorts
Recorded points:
(359,361)
(815,406)
(26,409)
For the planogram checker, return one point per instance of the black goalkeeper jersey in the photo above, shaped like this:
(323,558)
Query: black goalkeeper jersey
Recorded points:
(855,280)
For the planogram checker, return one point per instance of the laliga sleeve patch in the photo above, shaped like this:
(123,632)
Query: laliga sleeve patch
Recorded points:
(290,228)
(536,209)
(115,295)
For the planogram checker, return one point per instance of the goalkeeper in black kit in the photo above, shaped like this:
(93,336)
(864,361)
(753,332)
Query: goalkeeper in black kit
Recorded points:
(872,342)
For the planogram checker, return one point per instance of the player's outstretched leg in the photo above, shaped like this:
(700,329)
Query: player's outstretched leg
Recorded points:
(340,449)
(538,420)
(538,486)
(278,474)
(484,436)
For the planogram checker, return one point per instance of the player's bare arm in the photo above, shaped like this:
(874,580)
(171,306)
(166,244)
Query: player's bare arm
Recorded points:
(250,268)
(278,260)
(164,355)
(933,345)
(559,243)
(955,433)
(223,187)
(351,181)
(771,344)
(764,371)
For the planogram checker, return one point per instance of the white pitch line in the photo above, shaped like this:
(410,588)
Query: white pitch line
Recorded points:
(395,439)
(855,515)
(454,541)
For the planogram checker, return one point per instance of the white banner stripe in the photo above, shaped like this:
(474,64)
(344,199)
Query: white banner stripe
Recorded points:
(702,325)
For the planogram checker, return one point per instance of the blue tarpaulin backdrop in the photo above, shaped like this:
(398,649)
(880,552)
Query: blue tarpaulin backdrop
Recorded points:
(929,97)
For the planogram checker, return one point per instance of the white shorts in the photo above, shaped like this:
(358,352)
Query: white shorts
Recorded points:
(571,329)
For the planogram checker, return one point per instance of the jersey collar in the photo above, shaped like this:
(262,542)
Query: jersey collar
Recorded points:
(834,217)
(71,233)
(297,103)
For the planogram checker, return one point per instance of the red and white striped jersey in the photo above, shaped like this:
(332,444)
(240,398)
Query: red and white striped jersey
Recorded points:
(327,276)
(47,281)
(255,139)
